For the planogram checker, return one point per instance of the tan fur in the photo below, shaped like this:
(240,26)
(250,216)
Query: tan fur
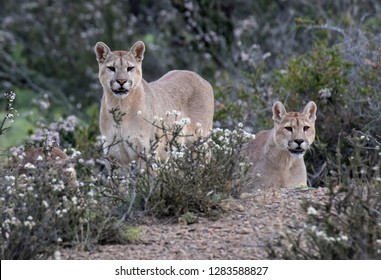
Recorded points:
(120,73)
(276,156)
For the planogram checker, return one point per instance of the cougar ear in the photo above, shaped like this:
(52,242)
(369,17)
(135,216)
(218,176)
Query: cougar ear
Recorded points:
(137,51)
(101,50)
(310,110)
(278,111)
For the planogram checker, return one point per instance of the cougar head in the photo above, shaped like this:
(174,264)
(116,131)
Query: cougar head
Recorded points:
(120,71)
(294,131)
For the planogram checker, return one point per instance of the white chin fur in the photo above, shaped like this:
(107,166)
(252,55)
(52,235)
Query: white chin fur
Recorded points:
(120,96)
(297,155)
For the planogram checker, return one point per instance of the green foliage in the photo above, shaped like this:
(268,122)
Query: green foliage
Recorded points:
(133,234)
(188,218)
(307,75)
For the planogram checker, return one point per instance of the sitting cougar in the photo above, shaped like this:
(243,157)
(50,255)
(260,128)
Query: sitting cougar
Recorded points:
(277,154)
(138,102)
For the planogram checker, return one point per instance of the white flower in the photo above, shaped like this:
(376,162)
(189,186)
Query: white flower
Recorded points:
(70,170)
(57,254)
(45,203)
(311,211)
(28,165)
(139,113)
(10,178)
(58,187)
(176,113)
(266,55)
(177,154)
(248,135)
(343,238)
(74,199)
(324,93)
(183,122)
(28,224)
(320,233)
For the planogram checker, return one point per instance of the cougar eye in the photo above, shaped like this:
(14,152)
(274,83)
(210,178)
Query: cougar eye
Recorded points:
(111,68)
(306,128)
(288,128)
(130,68)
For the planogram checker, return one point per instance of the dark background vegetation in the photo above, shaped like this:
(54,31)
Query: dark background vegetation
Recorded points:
(252,52)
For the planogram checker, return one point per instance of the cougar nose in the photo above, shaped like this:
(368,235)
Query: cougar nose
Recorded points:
(299,141)
(121,82)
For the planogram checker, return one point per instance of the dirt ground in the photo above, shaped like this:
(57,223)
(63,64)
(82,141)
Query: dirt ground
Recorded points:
(239,233)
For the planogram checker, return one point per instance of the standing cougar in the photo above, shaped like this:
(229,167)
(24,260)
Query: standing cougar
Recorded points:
(137,103)
(277,154)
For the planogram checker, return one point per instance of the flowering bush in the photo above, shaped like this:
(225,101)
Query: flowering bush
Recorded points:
(44,208)
(193,178)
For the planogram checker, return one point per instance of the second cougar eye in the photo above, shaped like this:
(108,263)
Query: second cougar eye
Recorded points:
(130,68)
(111,68)
(288,128)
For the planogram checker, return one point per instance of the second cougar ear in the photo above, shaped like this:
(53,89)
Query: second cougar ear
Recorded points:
(279,111)
(101,50)
(138,50)
(310,110)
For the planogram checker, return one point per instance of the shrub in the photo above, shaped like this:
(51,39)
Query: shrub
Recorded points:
(194,178)
(42,207)
(43,210)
